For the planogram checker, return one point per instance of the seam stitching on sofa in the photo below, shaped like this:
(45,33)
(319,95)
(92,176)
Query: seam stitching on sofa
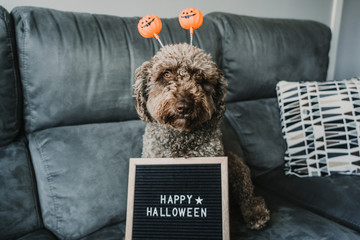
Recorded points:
(23,76)
(34,187)
(130,53)
(12,54)
(44,159)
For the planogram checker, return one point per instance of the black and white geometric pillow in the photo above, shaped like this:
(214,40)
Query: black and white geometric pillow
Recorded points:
(321,125)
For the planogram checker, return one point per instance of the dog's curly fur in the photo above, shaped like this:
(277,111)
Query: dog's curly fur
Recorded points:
(180,94)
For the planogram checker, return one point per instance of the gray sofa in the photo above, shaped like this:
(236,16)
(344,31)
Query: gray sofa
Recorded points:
(68,125)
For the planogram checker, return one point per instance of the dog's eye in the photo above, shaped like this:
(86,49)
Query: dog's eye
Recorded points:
(167,74)
(208,88)
(199,77)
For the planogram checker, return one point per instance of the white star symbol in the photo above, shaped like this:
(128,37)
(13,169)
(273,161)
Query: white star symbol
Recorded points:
(199,200)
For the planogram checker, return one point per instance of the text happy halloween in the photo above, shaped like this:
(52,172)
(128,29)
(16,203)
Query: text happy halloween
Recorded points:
(178,211)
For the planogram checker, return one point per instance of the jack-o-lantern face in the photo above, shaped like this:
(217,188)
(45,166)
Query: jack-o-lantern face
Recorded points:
(190,18)
(149,26)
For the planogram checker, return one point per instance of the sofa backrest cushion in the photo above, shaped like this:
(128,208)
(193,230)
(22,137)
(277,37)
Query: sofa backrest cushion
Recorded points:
(10,108)
(78,68)
(259,52)
(257,124)
(82,174)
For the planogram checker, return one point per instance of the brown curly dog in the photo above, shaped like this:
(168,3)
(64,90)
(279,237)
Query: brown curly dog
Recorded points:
(180,94)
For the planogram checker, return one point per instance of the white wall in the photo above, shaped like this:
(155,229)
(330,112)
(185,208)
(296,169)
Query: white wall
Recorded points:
(319,10)
(324,11)
(348,56)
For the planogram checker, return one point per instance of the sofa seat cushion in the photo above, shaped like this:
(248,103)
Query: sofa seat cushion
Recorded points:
(335,197)
(19,213)
(41,234)
(82,174)
(289,222)
(113,232)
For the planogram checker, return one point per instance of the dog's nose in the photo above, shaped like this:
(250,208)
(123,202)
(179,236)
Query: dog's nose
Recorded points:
(182,107)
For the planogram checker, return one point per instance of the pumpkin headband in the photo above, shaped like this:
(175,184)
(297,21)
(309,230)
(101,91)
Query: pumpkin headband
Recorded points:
(189,19)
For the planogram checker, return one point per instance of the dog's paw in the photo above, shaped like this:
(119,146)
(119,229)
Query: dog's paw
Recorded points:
(256,214)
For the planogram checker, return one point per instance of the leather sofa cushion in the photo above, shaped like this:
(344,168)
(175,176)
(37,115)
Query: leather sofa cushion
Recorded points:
(257,125)
(113,232)
(19,213)
(335,197)
(82,174)
(41,234)
(230,138)
(75,68)
(10,108)
(258,52)
(289,221)
(78,68)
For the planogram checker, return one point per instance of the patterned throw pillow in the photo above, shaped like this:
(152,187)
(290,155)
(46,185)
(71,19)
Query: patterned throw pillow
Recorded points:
(321,126)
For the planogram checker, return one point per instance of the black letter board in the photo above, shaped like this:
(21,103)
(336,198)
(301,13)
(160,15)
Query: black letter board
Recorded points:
(178,198)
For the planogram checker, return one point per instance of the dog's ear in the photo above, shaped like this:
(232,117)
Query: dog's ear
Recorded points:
(141,79)
(219,98)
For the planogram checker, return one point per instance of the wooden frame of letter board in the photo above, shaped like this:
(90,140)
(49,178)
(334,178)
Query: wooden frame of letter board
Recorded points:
(223,161)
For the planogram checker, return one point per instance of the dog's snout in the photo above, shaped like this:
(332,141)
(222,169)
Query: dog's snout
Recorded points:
(182,107)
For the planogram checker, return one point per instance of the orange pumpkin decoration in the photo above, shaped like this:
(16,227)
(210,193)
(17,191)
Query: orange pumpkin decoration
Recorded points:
(150,26)
(190,19)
